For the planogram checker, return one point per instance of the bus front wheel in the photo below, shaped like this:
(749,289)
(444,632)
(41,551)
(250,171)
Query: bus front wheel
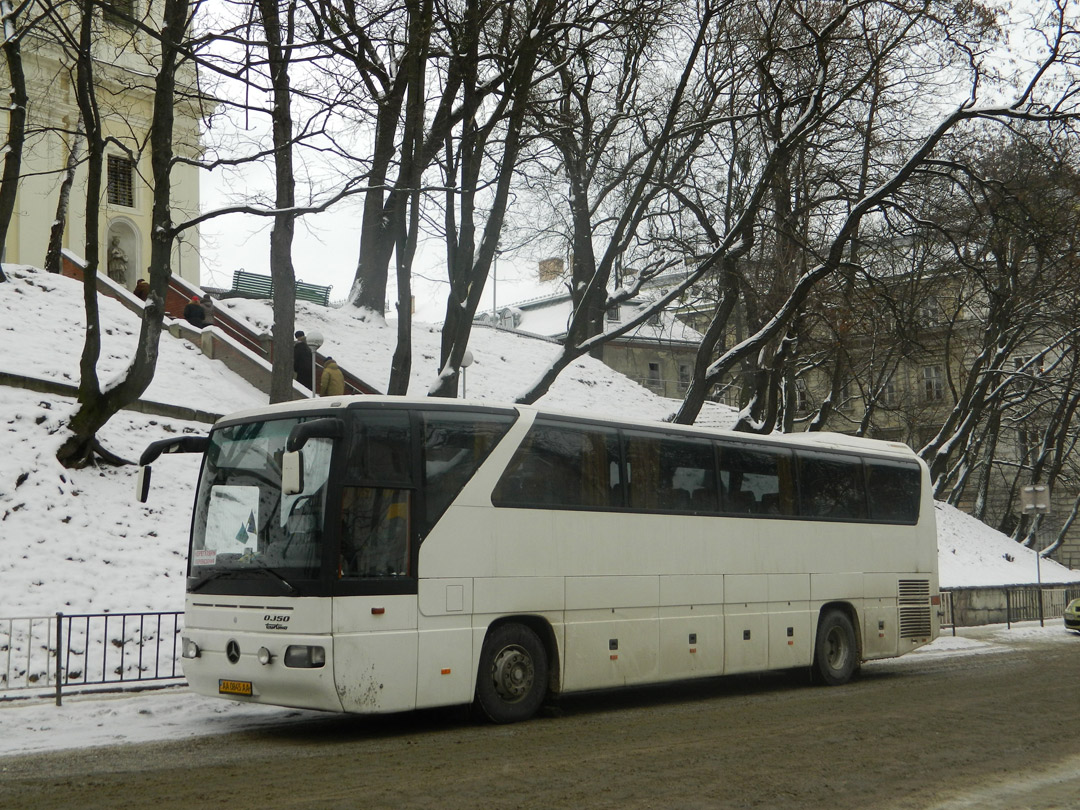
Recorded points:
(513,674)
(836,653)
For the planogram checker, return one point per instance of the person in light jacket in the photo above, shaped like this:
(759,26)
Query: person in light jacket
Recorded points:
(332,381)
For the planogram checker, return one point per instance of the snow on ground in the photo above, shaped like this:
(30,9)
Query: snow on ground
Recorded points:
(78,541)
(43,328)
(971,554)
(505,364)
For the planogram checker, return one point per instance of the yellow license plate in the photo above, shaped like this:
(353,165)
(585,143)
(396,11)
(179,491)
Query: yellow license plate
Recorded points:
(234,687)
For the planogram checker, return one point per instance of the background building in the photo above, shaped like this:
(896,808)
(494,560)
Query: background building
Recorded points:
(659,353)
(124,59)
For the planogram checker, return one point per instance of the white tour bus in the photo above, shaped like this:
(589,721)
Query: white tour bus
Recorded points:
(380,554)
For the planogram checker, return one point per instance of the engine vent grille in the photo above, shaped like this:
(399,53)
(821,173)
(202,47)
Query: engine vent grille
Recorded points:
(914,591)
(914,600)
(915,622)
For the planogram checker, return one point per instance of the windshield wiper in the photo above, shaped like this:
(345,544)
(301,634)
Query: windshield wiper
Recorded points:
(273,572)
(209,578)
(237,573)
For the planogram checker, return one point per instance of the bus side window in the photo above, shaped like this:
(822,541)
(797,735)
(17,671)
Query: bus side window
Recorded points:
(375,532)
(893,490)
(831,486)
(455,445)
(757,481)
(381,451)
(563,466)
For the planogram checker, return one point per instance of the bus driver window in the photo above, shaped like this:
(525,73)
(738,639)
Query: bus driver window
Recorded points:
(374,532)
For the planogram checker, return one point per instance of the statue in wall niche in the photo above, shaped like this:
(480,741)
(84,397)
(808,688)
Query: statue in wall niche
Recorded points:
(118,262)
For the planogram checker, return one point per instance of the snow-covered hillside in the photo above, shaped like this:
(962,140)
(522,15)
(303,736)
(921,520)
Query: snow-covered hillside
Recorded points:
(78,540)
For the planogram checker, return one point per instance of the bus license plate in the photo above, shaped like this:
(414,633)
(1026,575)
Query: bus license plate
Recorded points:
(234,687)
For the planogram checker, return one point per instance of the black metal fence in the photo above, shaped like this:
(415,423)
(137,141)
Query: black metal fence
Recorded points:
(88,649)
(974,607)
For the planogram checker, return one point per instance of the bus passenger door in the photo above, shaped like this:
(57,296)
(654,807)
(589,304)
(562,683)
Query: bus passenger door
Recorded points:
(375,634)
(375,652)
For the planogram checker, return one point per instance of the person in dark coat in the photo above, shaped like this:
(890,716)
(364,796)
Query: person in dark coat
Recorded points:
(302,360)
(195,314)
(142,289)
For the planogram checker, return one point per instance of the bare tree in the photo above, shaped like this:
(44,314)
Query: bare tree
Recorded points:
(96,404)
(516,32)
(279,36)
(391,73)
(16,129)
(624,161)
(59,225)
(823,100)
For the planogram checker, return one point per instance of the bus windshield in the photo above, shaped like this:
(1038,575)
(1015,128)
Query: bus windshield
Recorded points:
(243,524)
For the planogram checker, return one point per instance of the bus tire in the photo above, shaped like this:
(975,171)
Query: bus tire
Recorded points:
(511,683)
(836,652)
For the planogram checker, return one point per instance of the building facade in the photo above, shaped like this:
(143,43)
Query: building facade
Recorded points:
(658,354)
(124,66)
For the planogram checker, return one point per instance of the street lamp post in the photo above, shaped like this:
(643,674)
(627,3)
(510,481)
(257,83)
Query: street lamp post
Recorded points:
(1035,501)
(494,282)
(466,361)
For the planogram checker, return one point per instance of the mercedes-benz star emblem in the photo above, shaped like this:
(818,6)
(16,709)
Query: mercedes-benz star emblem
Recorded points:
(232,652)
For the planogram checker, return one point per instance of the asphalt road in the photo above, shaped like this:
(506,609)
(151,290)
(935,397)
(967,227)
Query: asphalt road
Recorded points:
(997,731)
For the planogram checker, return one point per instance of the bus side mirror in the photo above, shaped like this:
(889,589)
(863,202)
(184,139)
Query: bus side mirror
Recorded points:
(292,473)
(142,483)
(329,427)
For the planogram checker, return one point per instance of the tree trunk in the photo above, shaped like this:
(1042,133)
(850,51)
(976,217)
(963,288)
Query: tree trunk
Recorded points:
(95,407)
(412,169)
(469,267)
(9,182)
(56,232)
(281,238)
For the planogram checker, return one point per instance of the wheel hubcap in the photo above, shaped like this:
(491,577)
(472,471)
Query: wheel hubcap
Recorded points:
(837,649)
(512,673)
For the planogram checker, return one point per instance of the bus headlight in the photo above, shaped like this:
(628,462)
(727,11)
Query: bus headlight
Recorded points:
(190,648)
(305,656)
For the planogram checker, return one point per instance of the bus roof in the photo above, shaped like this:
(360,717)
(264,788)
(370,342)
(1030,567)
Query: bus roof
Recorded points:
(820,440)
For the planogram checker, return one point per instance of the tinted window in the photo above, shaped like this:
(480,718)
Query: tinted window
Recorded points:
(893,491)
(563,465)
(756,481)
(831,486)
(380,448)
(670,474)
(375,532)
(455,445)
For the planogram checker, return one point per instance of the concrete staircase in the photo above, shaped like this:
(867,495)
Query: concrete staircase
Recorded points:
(227,339)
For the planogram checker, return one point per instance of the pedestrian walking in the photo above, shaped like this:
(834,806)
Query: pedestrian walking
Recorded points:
(332,382)
(302,361)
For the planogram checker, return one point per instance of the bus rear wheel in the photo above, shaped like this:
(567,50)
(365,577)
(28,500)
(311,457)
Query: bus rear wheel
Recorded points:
(836,653)
(513,675)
